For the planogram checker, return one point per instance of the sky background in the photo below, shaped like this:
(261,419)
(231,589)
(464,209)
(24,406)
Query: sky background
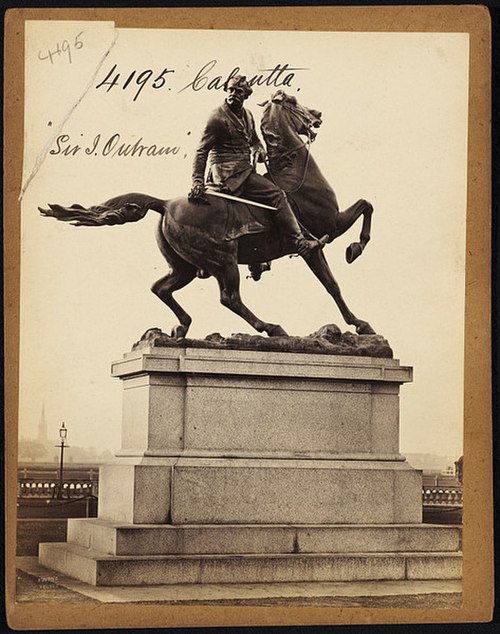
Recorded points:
(394,132)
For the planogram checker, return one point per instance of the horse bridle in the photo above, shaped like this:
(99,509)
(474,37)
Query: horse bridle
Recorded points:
(306,143)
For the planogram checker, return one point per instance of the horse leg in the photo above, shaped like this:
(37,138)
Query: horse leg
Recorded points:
(229,285)
(319,266)
(345,221)
(181,274)
(164,287)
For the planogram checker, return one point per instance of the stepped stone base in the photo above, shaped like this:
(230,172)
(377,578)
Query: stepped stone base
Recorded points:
(151,539)
(107,553)
(257,466)
(110,570)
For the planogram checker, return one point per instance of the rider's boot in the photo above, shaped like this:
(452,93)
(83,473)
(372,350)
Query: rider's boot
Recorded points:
(287,223)
(257,269)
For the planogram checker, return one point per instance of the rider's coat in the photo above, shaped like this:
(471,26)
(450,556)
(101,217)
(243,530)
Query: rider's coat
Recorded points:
(227,143)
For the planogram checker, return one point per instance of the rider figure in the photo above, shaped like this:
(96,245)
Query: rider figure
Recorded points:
(232,148)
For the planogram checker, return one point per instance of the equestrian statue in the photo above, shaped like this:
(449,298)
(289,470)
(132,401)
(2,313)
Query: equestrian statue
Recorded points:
(232,215)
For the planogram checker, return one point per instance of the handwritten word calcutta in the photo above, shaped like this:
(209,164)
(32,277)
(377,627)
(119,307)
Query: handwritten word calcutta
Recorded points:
(62,48)
(280,75)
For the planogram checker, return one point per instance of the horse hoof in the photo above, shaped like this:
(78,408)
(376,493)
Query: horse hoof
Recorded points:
(276,331)
(364,328)
(353,251)
(178,332)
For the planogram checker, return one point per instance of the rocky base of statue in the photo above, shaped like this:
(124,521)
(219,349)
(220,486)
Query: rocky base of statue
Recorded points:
(327,340)
(250,465)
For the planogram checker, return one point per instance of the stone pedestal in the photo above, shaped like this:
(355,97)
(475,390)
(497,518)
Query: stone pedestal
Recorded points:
(247,466)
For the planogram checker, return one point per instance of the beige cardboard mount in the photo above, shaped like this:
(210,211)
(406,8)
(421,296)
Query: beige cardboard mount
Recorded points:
(478,543)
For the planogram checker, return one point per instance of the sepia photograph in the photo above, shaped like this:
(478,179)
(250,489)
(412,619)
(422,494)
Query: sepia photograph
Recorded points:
(242,318)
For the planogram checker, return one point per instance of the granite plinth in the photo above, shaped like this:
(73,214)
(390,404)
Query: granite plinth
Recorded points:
(244,491)
(204,402)
(246,463)
(138,494)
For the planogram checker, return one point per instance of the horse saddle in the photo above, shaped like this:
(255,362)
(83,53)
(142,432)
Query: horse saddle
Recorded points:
(243,218)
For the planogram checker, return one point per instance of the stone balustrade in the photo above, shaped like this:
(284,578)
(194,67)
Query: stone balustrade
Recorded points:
(442,497)
(47,488)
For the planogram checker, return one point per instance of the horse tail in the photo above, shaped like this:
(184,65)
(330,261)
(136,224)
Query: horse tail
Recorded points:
(116,211)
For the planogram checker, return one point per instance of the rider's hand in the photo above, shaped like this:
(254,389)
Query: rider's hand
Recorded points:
(197,194)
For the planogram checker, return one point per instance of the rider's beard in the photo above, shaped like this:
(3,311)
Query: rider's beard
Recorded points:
(234,104)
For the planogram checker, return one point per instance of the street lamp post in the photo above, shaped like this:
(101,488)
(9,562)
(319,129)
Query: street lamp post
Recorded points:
(63,432)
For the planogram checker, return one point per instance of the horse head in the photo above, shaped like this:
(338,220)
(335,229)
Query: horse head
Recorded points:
(284,120)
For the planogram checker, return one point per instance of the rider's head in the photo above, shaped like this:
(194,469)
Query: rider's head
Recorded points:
(238,89)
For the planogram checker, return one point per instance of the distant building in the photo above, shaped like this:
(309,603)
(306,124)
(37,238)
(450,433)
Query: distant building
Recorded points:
(42,427)
(459,469)
(43,448)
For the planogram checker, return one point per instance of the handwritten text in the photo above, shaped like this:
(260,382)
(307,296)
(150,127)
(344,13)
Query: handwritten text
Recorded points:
(135,79)
(280,75)
(110,146)
(62,48)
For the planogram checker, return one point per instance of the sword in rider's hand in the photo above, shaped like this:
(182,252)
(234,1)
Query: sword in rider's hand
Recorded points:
(213,192)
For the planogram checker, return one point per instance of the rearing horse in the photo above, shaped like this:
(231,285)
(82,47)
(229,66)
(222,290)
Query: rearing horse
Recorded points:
(193,236)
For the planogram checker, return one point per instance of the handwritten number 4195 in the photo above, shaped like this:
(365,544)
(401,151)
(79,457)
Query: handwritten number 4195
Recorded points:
(63,47)
(134,79)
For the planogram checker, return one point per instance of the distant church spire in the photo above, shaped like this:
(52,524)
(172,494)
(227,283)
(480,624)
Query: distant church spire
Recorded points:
(42,426)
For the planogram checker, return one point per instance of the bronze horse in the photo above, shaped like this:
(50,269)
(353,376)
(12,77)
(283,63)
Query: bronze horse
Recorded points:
(194,237)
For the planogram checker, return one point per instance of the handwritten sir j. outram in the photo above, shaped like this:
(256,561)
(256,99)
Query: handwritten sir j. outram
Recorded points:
(110,146)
